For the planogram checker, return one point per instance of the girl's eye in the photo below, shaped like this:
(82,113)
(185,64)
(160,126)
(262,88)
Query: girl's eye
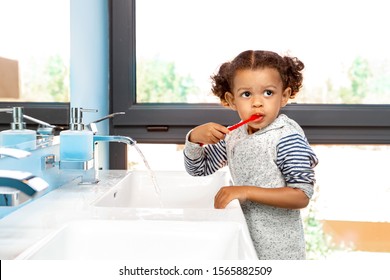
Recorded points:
(268,93)
(246,94)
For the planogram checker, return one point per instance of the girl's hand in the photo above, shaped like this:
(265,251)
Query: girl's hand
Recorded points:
(226,194)
(209,133)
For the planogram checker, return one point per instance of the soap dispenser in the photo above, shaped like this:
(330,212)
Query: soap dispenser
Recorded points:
(76,144)
(18,136)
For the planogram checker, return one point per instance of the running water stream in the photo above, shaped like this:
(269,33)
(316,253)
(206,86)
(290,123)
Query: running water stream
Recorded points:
(129,141)
(151,173)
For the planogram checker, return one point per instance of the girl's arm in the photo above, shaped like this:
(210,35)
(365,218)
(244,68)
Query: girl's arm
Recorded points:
(285,197)
(203,160)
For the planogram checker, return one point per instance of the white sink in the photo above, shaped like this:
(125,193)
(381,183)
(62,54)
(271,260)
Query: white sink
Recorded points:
(177,190)
(143,239)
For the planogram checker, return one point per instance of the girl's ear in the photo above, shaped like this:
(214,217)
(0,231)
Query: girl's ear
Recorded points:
(230,100)
(285,96)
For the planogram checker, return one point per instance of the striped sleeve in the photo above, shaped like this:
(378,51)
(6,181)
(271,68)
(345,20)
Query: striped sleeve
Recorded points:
(296,160)
(203,161)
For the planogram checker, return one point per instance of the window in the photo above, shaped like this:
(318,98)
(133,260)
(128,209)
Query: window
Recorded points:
(34,58)
(161,64)
(180,47)
(35,34)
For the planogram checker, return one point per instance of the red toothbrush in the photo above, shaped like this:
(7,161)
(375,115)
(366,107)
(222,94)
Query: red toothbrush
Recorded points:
(237,125)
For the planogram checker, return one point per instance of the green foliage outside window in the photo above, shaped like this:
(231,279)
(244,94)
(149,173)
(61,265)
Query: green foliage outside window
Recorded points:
(367,83)
(159,82)
(46,80)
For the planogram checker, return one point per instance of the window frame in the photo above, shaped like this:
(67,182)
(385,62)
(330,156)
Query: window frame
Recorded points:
(169,123)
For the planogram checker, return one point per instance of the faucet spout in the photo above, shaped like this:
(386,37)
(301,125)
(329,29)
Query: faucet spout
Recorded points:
(114,138)
(15,153)
(23,181)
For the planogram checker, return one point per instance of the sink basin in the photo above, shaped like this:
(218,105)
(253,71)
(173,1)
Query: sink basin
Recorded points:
(143,239)
(177,190)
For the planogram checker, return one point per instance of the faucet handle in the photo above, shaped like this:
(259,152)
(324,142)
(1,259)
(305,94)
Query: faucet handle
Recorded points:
(109,117)
(43,124)
(6,110)
(38,121)
(92,125)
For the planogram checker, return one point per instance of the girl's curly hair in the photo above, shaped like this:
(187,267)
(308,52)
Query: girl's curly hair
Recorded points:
(289,68)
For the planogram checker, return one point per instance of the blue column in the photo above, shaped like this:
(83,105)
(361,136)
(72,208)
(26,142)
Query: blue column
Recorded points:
(89,62)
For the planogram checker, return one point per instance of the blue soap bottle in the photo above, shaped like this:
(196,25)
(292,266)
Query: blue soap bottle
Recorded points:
(18,136)
(76,144)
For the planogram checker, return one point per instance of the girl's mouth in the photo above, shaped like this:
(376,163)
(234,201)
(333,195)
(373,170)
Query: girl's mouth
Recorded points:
(256,117)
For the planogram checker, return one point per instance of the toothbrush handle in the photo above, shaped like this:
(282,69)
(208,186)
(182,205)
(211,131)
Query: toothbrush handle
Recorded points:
(237,125)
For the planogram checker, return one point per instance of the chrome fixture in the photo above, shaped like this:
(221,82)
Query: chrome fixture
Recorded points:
(12,182)
(23,181)
(89,176)
(114,138)
(45,131)
(92,126)
(14,153)
(18,116)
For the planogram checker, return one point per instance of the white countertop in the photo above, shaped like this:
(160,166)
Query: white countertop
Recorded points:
(71,202)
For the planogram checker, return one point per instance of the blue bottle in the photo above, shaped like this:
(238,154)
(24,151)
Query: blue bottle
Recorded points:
(18,136)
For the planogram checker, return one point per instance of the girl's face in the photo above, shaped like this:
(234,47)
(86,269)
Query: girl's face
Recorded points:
(260,92)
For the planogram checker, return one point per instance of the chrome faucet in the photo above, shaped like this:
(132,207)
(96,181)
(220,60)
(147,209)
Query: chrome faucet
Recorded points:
(15,153)
(114,138)
(89,175)
(109,138)
(13,182)
(24,182)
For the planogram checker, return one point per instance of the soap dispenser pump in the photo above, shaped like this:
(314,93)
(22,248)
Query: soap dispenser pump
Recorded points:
(76,144)
(18,136)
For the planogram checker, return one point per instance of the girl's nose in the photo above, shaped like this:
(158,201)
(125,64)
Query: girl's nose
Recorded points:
(257,102)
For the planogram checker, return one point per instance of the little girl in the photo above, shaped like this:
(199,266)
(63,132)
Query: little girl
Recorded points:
(270,160)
